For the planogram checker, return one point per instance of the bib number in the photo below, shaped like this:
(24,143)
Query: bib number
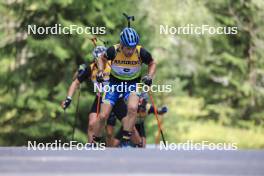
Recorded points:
(126,70)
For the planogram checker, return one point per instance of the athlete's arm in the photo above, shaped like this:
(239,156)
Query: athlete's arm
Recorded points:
(83,73)
(109,55)
(101,63)
(74,85)
(148,60)
(151,68)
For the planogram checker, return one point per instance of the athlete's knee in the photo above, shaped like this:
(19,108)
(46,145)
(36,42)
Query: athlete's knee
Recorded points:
(109,134)
(132,108)
(103,116)
(91,120)
(91,126)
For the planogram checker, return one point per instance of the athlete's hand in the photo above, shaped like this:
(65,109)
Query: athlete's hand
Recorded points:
(66,103)
(100,76)
(147,80)
(163,110)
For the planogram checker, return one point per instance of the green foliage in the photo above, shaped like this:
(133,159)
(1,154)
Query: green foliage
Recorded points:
(38,69)
(217,78)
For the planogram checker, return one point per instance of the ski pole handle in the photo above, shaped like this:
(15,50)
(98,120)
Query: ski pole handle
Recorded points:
(129,18)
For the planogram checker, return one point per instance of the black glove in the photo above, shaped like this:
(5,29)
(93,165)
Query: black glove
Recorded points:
(147,80)
(163,110)
(100,76)
(67,102)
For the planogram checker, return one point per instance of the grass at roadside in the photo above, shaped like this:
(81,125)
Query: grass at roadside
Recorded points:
(252,138)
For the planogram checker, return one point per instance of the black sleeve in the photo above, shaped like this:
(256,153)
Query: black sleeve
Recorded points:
(110,53)
(145,56)
(84,72)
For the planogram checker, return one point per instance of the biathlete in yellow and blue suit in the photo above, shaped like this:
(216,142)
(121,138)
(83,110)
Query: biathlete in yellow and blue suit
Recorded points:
(127,58)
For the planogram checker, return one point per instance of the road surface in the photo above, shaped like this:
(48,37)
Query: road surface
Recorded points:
(20,161)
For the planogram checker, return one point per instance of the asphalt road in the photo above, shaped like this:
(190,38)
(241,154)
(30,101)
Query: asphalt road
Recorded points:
(19,161)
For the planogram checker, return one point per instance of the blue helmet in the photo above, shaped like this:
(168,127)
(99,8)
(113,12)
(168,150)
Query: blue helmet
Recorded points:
(129,37)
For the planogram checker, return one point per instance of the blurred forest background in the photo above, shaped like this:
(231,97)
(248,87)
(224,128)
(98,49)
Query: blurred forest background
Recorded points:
(218,80)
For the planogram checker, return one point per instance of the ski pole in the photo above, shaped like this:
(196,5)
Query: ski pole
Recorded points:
(94,40)
(98,103)
(156,115)
(76,113)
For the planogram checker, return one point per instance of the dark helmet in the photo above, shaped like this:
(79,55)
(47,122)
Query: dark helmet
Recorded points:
(98,51)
